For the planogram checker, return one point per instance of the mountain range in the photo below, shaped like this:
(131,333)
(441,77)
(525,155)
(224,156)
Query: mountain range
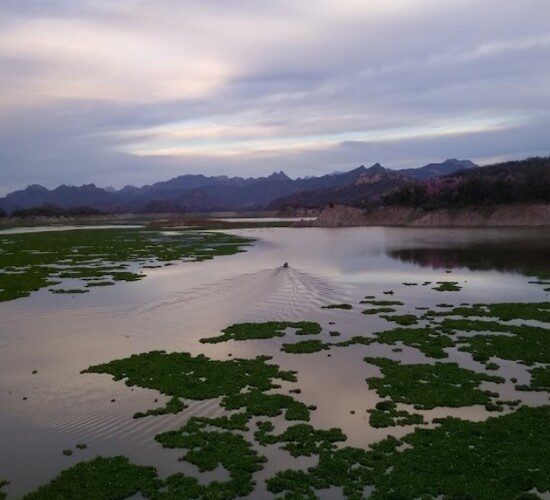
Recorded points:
(200,193)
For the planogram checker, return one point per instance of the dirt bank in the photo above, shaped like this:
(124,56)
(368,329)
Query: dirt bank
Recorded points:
(498,215)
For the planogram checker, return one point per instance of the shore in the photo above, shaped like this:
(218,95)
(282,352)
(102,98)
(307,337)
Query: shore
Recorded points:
(496,215)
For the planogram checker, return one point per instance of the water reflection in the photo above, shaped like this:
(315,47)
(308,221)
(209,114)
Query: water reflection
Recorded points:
(524,251)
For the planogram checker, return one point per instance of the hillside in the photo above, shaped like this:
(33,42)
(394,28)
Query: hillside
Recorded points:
(525,181)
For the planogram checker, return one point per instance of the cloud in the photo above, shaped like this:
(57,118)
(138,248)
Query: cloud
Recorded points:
(130,92)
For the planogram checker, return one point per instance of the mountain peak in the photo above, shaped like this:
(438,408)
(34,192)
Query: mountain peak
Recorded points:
(279,175)
(376,169)
(36,188)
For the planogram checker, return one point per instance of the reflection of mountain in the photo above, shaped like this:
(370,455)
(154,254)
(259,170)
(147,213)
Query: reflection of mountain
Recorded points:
(526,257)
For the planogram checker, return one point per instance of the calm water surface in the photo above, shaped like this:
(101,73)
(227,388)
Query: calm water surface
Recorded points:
(60,335)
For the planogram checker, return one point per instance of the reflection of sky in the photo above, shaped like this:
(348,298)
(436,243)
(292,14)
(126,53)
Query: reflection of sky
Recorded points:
(117,92)
(175,306)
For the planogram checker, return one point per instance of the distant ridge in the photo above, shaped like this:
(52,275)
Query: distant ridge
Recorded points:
(200,193)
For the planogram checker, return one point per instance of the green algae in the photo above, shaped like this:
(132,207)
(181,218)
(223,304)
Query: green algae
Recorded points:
(207,449)
(401,319)
(447,286)
(101,478)
(305,347)
(502,457)
(31,261)
(428,386)
(173,405)
(338,306)
(300,440)
(265,330)
(334,333)
(70,291)
(386,414)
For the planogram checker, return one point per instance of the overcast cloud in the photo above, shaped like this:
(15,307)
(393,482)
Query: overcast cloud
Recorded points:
(133,91)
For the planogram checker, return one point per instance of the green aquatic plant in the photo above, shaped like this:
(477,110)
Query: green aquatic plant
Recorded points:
(260,404)
(428,340)
(105,478)
(378,310)
(207,449)
(31,261)
(338,306)
(386,414)
(266,330)
(173,405)
(428,386)
(502,457)
(447,286)
(305,347)
(233,422)
(71,290)
(401,319)
(99,283)
(181,375)
(540,380)
(382,302)
(528,344)
(356,340)
(300,440)
(504,311)
(3,483)
(334,333)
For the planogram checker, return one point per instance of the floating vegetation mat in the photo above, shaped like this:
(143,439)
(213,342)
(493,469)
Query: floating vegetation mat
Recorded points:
(504,456)
(31,261)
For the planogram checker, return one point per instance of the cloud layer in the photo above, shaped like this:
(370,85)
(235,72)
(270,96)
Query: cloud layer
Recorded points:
(134,91)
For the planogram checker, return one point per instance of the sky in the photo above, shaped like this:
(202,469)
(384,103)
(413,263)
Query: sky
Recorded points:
(133,91)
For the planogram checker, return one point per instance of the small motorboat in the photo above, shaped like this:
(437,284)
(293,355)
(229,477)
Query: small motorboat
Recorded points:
(285,264)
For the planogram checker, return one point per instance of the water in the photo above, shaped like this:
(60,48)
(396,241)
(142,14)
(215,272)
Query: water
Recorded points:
(60,335)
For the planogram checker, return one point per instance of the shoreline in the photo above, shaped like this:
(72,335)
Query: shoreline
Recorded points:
(512,216)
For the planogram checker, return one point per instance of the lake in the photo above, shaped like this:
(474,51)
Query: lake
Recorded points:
(174,307)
